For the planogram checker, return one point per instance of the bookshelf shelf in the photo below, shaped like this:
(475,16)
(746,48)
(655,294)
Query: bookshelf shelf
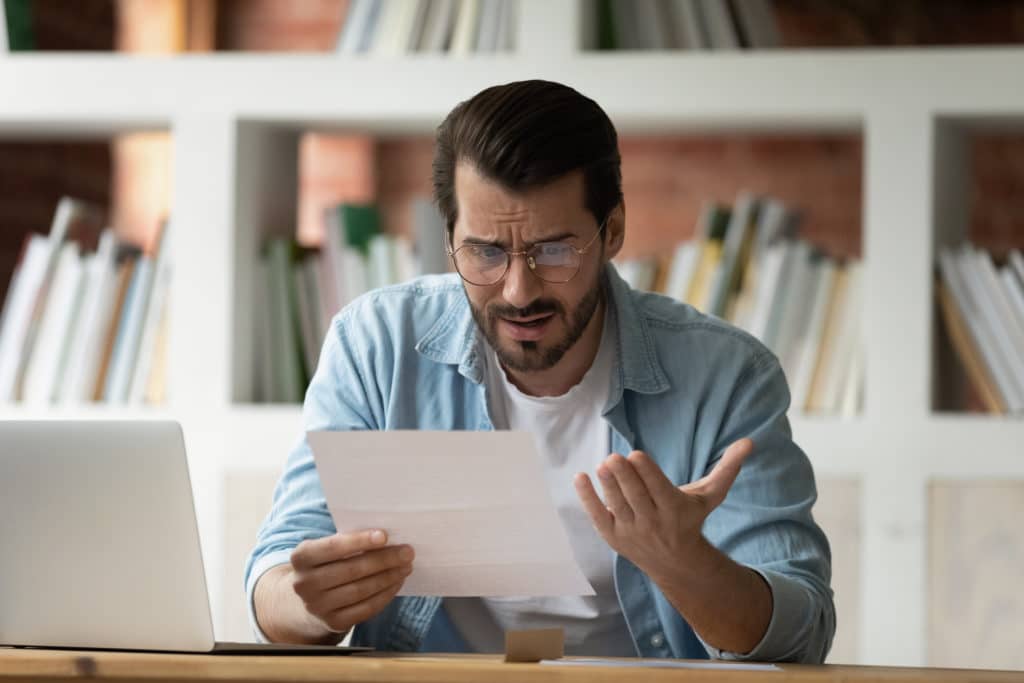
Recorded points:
(231,115)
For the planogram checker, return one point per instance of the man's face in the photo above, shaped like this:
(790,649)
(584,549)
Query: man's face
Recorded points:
(530,323)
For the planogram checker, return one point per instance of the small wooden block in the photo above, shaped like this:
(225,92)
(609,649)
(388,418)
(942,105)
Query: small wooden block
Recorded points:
(534,645)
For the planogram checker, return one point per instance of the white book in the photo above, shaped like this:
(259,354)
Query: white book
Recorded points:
(721,31)
(795,315)
(689,25)
(1002,341)
(809,345)
(1014,291)
(780,295)
(21,304)
(846,343)
(359,31)
(757,21)
(439,24)
(853,386)
(740,224)
(978,328)
(770,269)
(129,331)
(407,24)
(333,262)
(85,354)
(683,266)
(354,274)
(507,28)
(638,273)
(431,239)
(150,332)
(42,374)
(419,25)
(307,323)
(490,25)
(311,273)
(1016,262)
(380,264)
(4,47)
(387,38)
(1004,311)
(466,26)
(405,261)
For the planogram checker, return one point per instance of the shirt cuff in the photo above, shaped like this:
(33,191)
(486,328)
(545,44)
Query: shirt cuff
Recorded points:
(790,607)
(259,568)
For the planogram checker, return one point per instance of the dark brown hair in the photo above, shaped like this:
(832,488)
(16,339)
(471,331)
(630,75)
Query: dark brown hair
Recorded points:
(525,135)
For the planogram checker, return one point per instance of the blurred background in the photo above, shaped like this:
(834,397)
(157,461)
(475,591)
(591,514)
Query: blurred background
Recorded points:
(189,189)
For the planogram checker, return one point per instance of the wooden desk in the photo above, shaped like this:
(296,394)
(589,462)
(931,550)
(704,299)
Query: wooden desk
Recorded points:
(51,665)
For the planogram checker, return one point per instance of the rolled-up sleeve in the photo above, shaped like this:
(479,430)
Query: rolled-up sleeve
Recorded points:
(335,400)
(765,522)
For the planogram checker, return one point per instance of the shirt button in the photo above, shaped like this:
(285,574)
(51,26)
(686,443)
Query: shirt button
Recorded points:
(657,640)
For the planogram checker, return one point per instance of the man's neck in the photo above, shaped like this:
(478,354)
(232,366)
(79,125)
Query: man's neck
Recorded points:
(569,371)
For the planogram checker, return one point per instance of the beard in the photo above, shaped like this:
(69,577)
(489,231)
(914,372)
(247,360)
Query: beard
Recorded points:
(533,356)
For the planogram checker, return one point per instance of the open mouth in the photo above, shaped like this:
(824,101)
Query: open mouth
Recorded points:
(527,329)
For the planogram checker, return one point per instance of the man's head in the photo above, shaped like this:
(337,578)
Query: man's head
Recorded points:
(519,165)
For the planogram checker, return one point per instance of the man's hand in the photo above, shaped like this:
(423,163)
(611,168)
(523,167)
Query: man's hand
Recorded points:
(649,520)
(345,579)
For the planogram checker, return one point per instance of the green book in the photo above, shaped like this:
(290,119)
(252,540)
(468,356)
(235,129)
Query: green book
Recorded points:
(359,225)
(19,25)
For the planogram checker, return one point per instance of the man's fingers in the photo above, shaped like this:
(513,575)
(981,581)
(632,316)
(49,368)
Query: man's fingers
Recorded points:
(358,591)
(614,499)
(312,582)
(315,552)
(345,618)
(633,487)
(713,487)
(599,515)
(658,485)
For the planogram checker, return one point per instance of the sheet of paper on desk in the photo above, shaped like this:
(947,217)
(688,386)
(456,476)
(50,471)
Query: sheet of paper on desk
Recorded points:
(661,664)
(473,505)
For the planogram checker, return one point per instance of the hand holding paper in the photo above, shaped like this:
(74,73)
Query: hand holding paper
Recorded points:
(473,505)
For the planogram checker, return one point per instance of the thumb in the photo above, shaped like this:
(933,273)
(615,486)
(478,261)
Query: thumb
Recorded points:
(713,487)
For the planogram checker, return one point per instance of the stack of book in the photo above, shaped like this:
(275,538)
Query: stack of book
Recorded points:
(982,306)
(304,288)
(746,265)
(457,27)
(85,316)
(685,24)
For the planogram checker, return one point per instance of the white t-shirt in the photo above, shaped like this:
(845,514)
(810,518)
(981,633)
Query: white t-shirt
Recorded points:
(572,437)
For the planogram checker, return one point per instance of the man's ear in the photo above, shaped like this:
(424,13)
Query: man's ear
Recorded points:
(615,231)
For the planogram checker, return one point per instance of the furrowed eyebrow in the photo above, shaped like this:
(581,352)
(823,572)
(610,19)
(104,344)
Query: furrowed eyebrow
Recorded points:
(479,242)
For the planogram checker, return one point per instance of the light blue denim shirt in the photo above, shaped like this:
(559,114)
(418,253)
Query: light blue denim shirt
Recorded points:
(684,387)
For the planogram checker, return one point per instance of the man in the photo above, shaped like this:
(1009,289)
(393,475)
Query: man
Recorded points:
(537,332)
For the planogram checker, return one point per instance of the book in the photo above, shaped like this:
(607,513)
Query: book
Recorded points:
(3,30)
(156,388)
(795,309)
(722,32)
(489,32)
(122,359)
(28,279)
(419,25)
(127,259)
(770,270)
(308,325)
(651,25)
(967,350)
(1016,262)
(847,342)
(152,309)
(1004,310)
(430,235)
(756,22)
(288,381)
(727,279)
(43,373)
(956,281)
(688,22)
(707,262)
(466,25)
(808,348)
(627,31)
(98,299)
(1000,343)
(356,24)
(834,316)
(681,270)
(439,24)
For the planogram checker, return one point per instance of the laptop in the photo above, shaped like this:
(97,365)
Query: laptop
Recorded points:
(99,546)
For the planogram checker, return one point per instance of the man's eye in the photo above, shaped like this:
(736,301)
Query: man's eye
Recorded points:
(486,252)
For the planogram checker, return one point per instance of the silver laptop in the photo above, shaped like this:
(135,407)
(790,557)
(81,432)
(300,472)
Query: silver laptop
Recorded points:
(99,546)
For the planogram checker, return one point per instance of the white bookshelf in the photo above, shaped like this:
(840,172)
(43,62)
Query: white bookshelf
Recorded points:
(234,119)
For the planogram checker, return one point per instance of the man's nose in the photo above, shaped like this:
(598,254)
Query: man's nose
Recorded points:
(521,286)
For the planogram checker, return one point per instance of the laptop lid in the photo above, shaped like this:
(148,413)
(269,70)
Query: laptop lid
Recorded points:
(99,546)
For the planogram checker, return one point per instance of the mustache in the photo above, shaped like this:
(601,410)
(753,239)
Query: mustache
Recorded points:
(538,307)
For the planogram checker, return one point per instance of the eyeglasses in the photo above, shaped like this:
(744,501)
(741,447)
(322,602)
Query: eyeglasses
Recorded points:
(486,264)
